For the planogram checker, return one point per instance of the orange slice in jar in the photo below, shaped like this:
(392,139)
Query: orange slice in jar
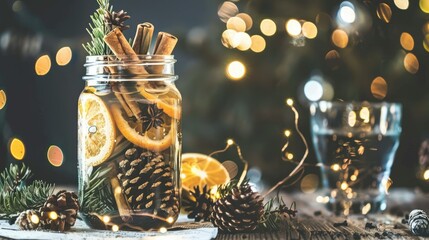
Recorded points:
(97,131)
(155,139)
(200,170)
(166,97)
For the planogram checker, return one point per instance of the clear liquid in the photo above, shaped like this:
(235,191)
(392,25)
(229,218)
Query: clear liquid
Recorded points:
(356,169)
(138,189)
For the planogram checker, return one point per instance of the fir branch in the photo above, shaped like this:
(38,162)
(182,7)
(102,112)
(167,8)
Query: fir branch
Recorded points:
(14,177)
(97,195)
(274,215)
(225,189)
(97,30)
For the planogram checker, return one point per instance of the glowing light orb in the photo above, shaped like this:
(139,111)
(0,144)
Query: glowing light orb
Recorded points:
(3,99)
(379,88)
(289,156)
(340,38)
(230,142)
(287,133)
(258,44)
(347,12)
(344,186)
(231,167)
(289,102)
(115,228)
(402,4)
(313,90)
(245,41)
(17,149)
(227,10)
(351,118)
(411,63)
(34,219)
(293,27)
(426,175)
(364,114)
(53,215)
(163,230)
(268,27)
(170,220)
(55,156)
(384,12)
(235,70)
(424,5)
(247,19)
(230,38)
(43,65)
(407,41)
(64,56)
(335,167)
(309,30)
(237,24)
(309,183)
(106,219)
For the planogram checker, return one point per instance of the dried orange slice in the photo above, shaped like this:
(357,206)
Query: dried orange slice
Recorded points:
(199,170)
(156,139)
(166,98)
(96,129)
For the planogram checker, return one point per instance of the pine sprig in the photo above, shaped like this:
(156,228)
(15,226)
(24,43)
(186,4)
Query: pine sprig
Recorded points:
(16,195)
(275,210)
(225,189)
(97,195)
(97,30)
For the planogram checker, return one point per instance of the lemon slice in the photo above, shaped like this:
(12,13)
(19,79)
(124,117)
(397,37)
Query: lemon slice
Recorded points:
(96,129)
(156,139)
(166,98)
(199,170)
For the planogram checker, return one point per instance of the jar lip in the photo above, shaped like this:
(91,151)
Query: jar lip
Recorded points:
(357,103)
(112,59)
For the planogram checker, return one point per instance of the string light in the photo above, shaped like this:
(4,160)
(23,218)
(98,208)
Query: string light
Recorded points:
(3,99)
(245,41)
(227,10)
(340,38)
(235,70)
(268,27)
(426,175)
(55,156)
(293,27)
(366,209)
(163,230)
(258,44)
(402,4)
(64,56)
(313,90)
(106,219)
(237,24)
(344,186)
(170,219)
(115,228)
(309,30)
(34,219)
(407,41)
(17,149)
(379,87)
(424,5)
(346,13)
(411,63)
(43,65)
(287,133)
(53,215)
(247,19)
(289,102)
(335,167)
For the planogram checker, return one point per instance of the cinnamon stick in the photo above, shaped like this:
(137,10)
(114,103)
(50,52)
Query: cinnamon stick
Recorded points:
(122,101)
(164,45)
(122,204)
(143,38)
(135,109)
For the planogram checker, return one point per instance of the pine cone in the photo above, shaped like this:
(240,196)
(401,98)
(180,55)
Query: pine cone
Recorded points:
(419,223)
(199,204)
(239,210)
(116,19)
(60,211)
(147,182)
(28,220)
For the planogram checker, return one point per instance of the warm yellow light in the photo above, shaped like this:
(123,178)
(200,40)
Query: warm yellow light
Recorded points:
(258,43)
(287,133)
(407,41)
(55,156)
(426,175)
(309,183)
(237,24)
(366,209)
(230,38)
(335,167)
(293,27)
(364,114)
(163,230)
(309,30)
(198,172)
(34,219)
(353,178)
(322,199)
(17,149)
(289,156)
(402,4)
(227,10)
(170,220)
(53,215)
(115,228)
(43,65)
(424,5)
(230,142)
(268,27)
(344,186)
(64,56)
(235,70)
(411,63)
(340,38)
(118,190)
(3,99)
(182,176)
(352,118)
(245,41)
(289,101)
(247,19)
(379,87)
(106,219)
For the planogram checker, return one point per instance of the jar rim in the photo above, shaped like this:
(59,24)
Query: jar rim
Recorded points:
(149,58)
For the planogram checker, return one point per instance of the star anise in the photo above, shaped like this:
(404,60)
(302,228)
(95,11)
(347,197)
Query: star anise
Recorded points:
(152,117)
(116,19)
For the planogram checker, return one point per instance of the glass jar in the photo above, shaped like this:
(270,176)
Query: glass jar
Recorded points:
(129,143)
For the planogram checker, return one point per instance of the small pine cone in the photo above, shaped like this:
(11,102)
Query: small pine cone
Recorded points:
(59,212)
(199,204)
(116,19)
(238,211)
(28,220)
(419,223)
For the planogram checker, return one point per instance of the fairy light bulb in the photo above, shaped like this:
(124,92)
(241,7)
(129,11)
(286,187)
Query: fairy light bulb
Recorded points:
(335,167)
(53,215)
(115,228)
(170,219)
(289,101)
(287,133)
(34,219)
(163,230)
(230,142)
(106,219)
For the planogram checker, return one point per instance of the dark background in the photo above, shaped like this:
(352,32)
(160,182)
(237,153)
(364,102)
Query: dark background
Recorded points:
(41,110)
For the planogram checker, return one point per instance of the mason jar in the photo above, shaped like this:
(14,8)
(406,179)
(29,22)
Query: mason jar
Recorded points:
(129,143)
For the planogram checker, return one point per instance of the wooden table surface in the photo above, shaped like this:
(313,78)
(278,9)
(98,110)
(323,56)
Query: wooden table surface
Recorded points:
(305,226)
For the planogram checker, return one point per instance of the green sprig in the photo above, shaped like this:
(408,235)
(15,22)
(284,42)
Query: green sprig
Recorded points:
(97,30)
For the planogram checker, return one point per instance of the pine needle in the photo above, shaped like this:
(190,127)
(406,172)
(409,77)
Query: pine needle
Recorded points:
(97,30)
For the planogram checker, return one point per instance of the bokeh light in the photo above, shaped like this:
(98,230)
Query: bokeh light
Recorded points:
(230,38)
(309,183)
(55,156)
(268,27)
(346,13)
(402,4)
(333,59)
(64,56)
(237,24)
(115,228)
(3,99)
(335,167)
(247,19)
(426,175)
(227,10)
(17,149)
(163,230)
(407,41)
(384,12)
(35,219)
(379,88)
(235,70)
(17,6)
(106,219)
(309,30)
(366,208)
(258,43)
(424,5)
(53,215)
(245,41)
(340,38)
(411,63)
(313,90)
(231,167)
(43,65)
(293,27)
